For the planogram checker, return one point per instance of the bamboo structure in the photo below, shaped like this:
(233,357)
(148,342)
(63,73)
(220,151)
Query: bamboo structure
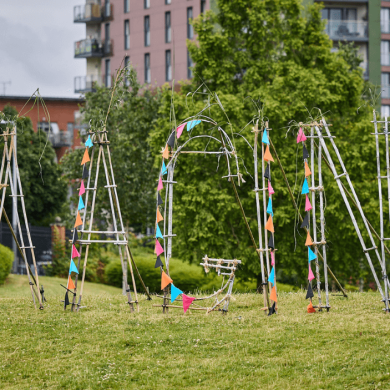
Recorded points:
(9,173)
(99,139)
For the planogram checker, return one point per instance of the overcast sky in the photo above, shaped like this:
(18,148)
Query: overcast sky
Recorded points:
(36,47)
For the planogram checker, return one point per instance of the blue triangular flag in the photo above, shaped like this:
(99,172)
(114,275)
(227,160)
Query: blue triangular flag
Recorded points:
(175,292)
(305,187)
(81,203)
(164,169)
(271,277)
(265,137)
(312,255)
(192,124)
(89,142)
(73,267)
(269,207)
(158,232)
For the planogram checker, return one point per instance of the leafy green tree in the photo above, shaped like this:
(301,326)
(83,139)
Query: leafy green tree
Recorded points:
(268,60)
(43,185)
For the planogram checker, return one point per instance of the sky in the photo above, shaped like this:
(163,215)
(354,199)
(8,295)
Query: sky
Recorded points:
(36,47)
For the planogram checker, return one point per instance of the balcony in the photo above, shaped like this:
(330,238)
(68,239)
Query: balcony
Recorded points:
(87,48)
(60,139)
(347,30)
(107,12)
(84,84)
(88,13)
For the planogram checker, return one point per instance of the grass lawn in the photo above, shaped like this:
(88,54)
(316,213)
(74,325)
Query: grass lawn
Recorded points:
(106,347)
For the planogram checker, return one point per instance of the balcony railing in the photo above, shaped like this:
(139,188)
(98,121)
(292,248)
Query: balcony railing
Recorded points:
(92,48)
(61,139)
(349,30)
(88,13)
(84,84)
(107,12)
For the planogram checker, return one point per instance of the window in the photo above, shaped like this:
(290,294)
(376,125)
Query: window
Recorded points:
(147,69)
(385,111)
(167,27)
(168,66)
(147,30)
(385,85)
(126,6)
(107,32)
(146,4)
(190,29)
(190,64)
(127,34)
(385,20)
(202,6)
(385,57)
(107,8)
(167,2)
(53,128)
(107,75)
(127,66)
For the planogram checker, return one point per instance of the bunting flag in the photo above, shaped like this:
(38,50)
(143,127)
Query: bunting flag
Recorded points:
(270,225)
(85,172)
(158,263)
(267,155)
(311,275)
(271,242)
(271,277)
(89,142)
(159,200)
(81,204)
(192,124)
(269,207)
(158,232)
(159,216)
(310,308)
(164,169)
(306,154)
(82,188)
(71,285)
(305,188)
(272,258)
(308,239)
(160,184)
(175,292)
(309,293)
(305,223)
(265,137)
(75,252)
(66,300)
(187,302)
(78,220)
(270,189)
(85,157)
(75,236)
(165,280)
(171,140)
(272,309)
(307,169)
(73,267)
(158,248)
(311,254)
(273,295)
(165,153)
(180,129)
(267,173)
(308,204)
(299,137)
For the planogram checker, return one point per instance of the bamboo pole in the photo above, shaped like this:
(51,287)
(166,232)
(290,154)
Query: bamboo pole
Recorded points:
(300,216)
(387,162)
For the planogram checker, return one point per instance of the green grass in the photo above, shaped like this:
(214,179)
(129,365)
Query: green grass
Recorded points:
(107,347)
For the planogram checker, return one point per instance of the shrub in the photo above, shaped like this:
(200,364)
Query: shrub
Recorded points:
(6,260)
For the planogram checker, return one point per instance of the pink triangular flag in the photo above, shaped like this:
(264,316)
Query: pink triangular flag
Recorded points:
(272,258)
(311,275)
(308,204)
(158,248)
(303,137)
(160,184)
(299,138)
(82,188)
(180,129)
(75,252)
(187,302)
(270,189)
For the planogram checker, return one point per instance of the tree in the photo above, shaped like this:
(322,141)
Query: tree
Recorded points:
(42,182)
(267,59)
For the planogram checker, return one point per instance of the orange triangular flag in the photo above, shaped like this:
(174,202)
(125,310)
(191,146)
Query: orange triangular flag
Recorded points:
(308,239)
(273,296)
(165,280)
(166,152)
(78,220)
(71,285)
(270,225)
(307,170)
(86,157)
(159,216)
(267,155)
(310,308)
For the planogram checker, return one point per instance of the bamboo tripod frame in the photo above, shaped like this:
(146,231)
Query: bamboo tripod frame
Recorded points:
(9,152)
(99,139)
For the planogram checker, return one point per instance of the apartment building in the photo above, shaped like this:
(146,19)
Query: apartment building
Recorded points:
(149,34)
